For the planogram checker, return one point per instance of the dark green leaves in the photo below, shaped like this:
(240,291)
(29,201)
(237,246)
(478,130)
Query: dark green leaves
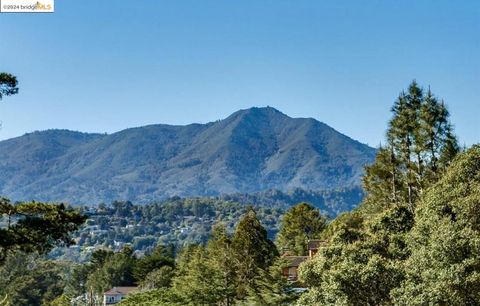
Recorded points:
(420,145)
(444,268)
(36,227)
(300,224)
(8,85)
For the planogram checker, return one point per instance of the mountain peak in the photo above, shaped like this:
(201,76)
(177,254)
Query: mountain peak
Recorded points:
(257,112)
(264,110)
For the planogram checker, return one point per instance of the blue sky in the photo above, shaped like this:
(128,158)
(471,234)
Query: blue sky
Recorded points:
(102,66)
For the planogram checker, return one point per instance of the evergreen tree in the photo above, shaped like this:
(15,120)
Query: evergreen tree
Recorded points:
(444,268)
(420,145)
(158,278)
(383,180)
(36,227)
(222,259)
(300,224)
(160,257)
(116,269)
(273,288)
(61,300)
(438,145)
(231,270)
(207,275)
(401,135)
(156,297)
(8,85)
(254,253)
(29,280)
(362,263)
(192,284)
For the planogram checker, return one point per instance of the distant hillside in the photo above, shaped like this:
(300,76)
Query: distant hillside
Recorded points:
(250,151)
(330,202)
(183,221)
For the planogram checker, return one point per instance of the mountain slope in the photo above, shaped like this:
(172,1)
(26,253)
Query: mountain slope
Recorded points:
(251,150)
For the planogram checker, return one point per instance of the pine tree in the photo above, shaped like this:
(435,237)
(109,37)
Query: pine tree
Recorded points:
(300,224)
(436,139)
(420,145)
(383,179)
(160,257)
(193,281)
(222,259)
(207,275)
(115,270)
(36,227)
(254,253)
(403,129)
(8,85)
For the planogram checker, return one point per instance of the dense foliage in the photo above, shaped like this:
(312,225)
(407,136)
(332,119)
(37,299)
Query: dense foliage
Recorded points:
(181,221)
(242,268)
(330,202)
(420,145)
(177,221)
(373,257)
(301,223)
(444,267)
(28,280)
(35,227)
(8,85)
(27,230)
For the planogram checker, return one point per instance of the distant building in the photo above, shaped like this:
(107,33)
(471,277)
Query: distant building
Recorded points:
(313,246)
(291,271)
(116,294)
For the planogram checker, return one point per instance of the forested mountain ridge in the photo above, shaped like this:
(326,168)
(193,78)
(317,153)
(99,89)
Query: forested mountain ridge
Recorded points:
(252,150)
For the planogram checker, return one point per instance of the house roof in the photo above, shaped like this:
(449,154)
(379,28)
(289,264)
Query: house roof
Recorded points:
(295,261)
(120,290)
(315,244)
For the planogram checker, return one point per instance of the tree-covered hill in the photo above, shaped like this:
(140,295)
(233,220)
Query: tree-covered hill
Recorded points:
(252,150)
(183,221)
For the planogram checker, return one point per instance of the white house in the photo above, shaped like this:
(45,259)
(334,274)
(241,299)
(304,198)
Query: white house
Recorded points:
(116,294)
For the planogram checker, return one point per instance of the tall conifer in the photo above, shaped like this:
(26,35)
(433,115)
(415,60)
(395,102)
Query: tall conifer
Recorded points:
(420,145)
(254,253)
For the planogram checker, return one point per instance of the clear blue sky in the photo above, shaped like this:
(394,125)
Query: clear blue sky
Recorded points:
(102,66)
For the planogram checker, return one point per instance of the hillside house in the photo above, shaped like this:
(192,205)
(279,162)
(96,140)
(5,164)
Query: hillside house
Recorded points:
(116,294)
(291,271)
(313,246)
